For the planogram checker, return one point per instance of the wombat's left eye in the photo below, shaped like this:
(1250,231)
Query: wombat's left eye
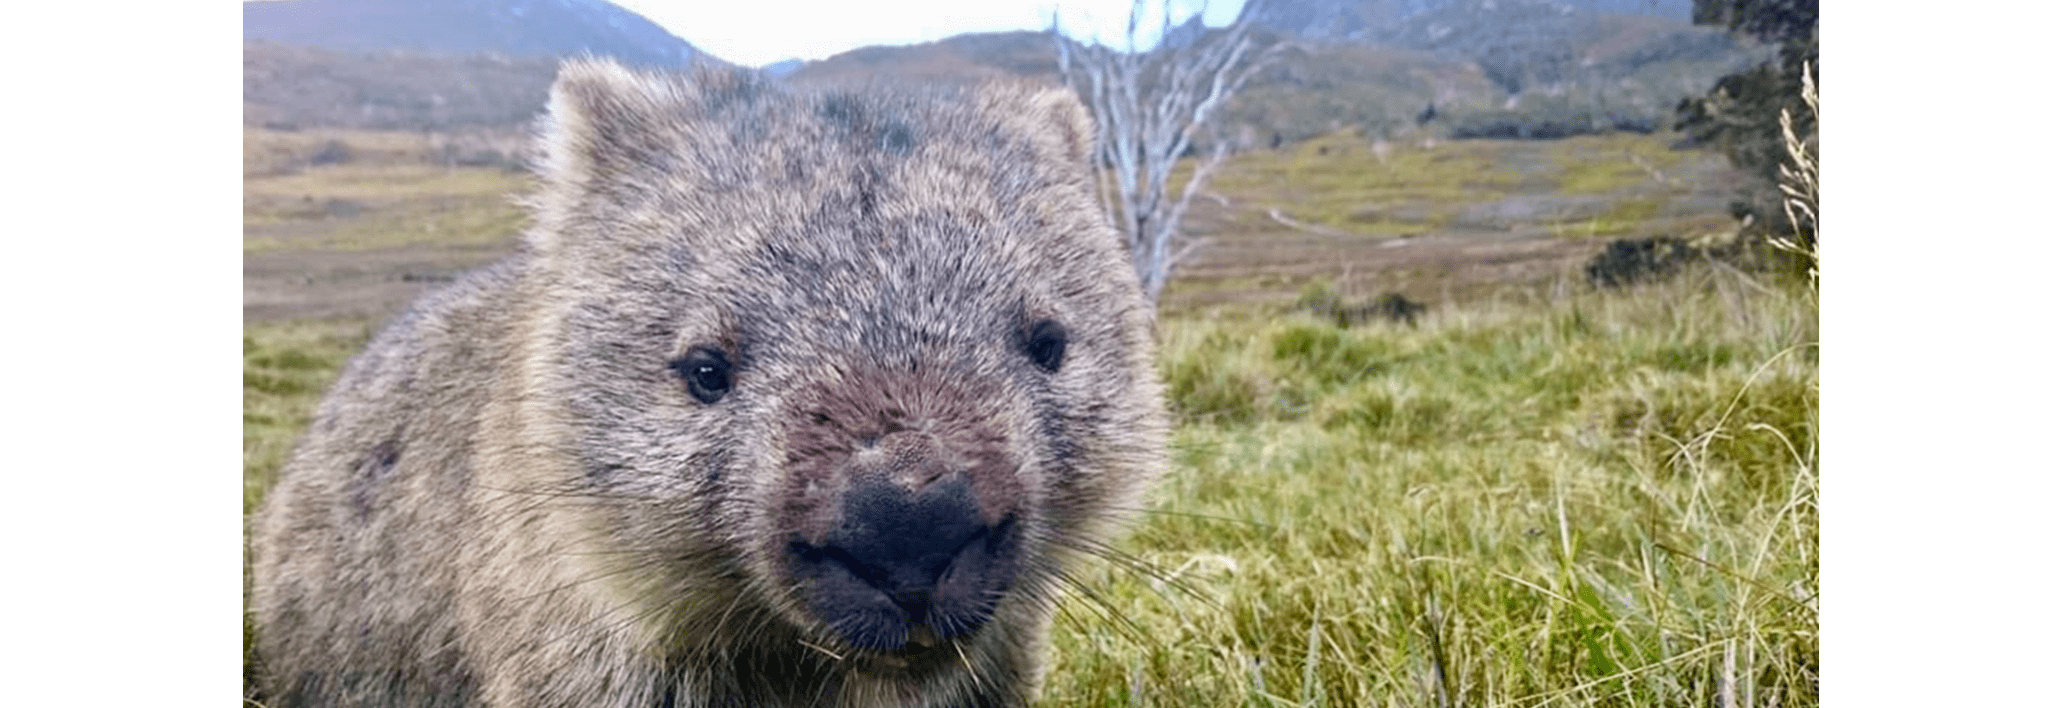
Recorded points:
(707,372)
(1046,342)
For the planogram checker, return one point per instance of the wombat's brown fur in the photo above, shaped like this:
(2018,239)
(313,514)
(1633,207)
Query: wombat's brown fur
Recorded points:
(788,399)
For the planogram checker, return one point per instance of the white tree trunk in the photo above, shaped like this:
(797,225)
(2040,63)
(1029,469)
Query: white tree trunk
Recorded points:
(1148,108)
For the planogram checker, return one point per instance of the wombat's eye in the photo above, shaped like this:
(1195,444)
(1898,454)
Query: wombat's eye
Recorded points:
(706,370)
(1046,342)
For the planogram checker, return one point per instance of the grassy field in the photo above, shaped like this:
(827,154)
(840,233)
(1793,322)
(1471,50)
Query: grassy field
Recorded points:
(1442,220)
(1607,500)
(1542,494)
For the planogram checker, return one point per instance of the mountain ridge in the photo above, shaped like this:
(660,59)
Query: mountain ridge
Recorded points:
(1479,68)
(519,28)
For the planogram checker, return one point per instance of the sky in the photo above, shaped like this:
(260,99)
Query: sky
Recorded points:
(753,33)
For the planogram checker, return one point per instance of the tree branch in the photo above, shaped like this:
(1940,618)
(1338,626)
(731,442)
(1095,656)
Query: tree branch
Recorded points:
(1149,106)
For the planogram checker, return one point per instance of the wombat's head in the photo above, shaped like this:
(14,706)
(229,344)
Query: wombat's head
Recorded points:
(857,368)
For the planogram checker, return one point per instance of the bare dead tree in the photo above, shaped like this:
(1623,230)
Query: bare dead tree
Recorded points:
(1149,107)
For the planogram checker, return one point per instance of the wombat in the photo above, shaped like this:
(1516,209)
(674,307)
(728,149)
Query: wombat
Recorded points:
(807,398)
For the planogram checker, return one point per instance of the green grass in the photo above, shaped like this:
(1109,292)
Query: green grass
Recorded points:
(351,208)
(1604,186)
(285,368)
(1337,181)
(1592,165)
(393,190)
(1610,499)
(449,222)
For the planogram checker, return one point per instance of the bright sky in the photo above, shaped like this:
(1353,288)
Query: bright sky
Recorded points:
(757,32)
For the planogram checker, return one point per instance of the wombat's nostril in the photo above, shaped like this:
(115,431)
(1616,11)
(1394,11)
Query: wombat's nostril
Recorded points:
(902,540)
(902,558)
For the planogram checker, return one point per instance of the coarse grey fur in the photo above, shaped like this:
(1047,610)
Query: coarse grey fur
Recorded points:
(516,496)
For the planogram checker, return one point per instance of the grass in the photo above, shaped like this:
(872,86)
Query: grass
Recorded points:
(1612,162)
(1344,190)
(1337,181)
(1606,500)
(442,222)
(381,190)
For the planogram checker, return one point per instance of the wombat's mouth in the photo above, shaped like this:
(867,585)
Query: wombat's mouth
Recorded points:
(923,650)
(907,573)
(913,659)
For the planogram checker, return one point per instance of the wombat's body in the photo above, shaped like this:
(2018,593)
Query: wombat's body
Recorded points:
(789,399)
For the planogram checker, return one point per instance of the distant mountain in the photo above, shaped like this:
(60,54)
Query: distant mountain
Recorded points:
(518,28)
(961,57)
(1520,44)
(1458,68)
(782,68)
(1479,68)
(1369,19)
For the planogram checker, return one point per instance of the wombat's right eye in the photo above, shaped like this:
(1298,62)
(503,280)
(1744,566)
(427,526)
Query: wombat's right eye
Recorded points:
(707,372)
(1046,342)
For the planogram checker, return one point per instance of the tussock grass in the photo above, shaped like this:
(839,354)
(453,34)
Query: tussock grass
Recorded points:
(1608,500)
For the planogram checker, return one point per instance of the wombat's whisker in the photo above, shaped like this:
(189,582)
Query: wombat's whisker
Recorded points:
(554,495)
(1192,515)
(968,664)
(594,577)
(1120,557)
(827,652)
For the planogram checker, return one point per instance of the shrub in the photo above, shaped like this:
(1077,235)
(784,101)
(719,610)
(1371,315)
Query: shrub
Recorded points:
(1626,261)
(332,152)
(1321,299)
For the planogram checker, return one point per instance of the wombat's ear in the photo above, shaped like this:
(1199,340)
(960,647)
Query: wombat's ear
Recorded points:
(596,120)
(1053,115)
(597,127)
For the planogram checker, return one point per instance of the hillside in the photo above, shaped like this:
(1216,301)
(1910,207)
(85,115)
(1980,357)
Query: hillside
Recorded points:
(1498,69)
(1485,74)
(524,28)
(1366,20)
(290,87)
(429,65)
(964,57)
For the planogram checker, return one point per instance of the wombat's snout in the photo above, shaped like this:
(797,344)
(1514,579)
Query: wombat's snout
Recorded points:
(903,557)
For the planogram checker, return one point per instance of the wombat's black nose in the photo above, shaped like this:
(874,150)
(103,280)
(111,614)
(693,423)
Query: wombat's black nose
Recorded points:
(901,558)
